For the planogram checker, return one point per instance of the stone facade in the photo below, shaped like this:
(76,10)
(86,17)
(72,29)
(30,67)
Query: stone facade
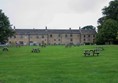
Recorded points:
(52,36)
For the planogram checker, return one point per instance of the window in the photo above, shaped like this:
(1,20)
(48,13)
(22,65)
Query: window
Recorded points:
(71,35)
(65,35)
(54,39)
(59,35)
(10,42)
(93,40)
(58,39)
(88,35)
(51,35)
(42,36)
(84,35)
(71,39)
(21,42)
(84,39)
(37,36)
(93,35)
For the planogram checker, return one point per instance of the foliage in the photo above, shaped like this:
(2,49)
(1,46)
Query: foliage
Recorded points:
(108,24)
(88,27)
(111,12)
(108,32)
(5,28)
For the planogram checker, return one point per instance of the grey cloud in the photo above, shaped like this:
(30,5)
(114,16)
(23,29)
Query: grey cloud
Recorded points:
(43,12)
(83,6)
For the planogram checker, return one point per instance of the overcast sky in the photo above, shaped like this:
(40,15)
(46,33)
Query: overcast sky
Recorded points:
(55,14)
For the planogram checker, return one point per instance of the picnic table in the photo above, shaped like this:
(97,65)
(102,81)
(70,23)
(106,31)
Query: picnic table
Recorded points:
(35,50)
(99,48)
(5,49)
(91,52)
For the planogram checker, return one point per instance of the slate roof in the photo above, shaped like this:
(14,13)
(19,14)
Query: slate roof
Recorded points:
(53,31)
(87,31)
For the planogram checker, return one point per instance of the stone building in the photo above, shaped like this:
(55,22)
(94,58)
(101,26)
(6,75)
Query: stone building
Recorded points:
(52,36)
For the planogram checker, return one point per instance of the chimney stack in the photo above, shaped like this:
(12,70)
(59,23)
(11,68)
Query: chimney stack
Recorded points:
(46,28)
(70,28)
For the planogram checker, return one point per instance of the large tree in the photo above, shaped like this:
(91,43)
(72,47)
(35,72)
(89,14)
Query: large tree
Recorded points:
(108,24)
(5,28)
(89,27)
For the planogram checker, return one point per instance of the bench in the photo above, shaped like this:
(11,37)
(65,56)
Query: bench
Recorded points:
(35,50)
(95,52)
(5,49)
(99,48)
(87,52)
(91,52)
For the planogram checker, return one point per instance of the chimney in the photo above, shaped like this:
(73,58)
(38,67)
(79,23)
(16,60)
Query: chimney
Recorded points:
(69,28)
(45,28)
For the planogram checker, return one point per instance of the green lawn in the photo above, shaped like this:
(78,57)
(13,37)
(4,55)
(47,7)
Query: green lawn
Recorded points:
(57,64)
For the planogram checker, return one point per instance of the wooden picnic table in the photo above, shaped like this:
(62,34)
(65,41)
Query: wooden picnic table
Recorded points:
(89,52)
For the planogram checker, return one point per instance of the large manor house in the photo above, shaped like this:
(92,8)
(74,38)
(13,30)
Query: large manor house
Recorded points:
(53,36)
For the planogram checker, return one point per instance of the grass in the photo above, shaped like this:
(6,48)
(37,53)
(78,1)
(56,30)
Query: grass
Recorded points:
(57,64)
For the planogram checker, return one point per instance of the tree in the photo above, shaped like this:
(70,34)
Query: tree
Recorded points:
(5,28)
(108,24)
(89,27)
(108,32)
(111,12)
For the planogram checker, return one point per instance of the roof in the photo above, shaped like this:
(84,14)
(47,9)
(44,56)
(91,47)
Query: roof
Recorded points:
(53,31)
(88,31)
